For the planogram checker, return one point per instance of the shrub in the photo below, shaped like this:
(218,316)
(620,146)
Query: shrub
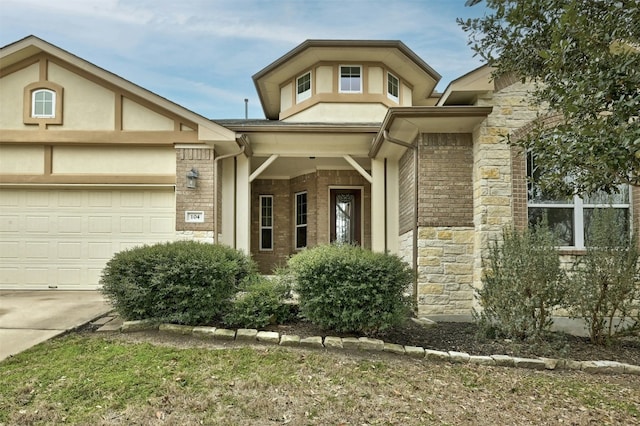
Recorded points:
(523,281)
(262,302)
(350,289)
(182,282)
(605,286)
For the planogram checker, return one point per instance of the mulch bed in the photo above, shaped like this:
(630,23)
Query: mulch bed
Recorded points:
(467,337)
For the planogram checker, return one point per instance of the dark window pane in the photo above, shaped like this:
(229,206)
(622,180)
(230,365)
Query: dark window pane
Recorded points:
(560,221)
(301,236)
(267,239)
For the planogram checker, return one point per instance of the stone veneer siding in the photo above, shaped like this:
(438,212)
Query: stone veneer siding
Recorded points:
(198,199)
(445,220)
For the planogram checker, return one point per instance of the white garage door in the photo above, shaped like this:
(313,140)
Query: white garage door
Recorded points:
(63,238)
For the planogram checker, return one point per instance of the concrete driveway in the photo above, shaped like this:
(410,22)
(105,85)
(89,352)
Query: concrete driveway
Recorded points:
(31,317)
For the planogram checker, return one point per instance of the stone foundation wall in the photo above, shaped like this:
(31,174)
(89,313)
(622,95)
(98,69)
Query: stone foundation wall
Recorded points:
(200,236)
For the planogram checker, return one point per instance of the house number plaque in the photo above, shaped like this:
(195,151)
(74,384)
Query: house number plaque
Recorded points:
(194,217)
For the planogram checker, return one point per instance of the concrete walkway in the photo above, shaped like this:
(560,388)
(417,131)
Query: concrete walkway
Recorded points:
(31,317)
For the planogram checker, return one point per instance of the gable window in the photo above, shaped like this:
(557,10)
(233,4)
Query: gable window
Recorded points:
(43,103)
(569,217)
(393,87)
(303,87)
(266,222)
(350,79)
(301,220)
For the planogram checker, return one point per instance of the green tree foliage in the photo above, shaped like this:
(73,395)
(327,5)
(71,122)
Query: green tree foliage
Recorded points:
(182,282)
(605,284)
(523,282)
(584,56)
(351,289)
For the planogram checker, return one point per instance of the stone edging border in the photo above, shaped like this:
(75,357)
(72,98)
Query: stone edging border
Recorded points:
(375,345)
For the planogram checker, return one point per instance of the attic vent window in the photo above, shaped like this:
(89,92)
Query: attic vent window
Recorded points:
(43,103)
(393,87)
(350,79)
(303,87)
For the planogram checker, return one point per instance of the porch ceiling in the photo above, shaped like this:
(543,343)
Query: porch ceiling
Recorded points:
(292,166)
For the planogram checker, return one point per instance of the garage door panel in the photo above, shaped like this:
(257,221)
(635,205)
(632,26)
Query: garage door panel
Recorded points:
(63,238)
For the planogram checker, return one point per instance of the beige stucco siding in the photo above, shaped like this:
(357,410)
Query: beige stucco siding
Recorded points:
(15,159)
(286,97)
(87,105)
(11,97)
(340,113)
(376,80)
(324,79)
(113,160)
(137,117)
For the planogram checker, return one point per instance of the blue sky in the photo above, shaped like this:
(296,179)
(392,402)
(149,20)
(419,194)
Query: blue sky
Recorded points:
(201,54)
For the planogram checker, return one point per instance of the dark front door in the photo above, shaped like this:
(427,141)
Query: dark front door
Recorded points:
(345,216)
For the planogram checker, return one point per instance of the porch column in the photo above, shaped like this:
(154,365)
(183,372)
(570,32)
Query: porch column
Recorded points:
(377,206)
(236,208)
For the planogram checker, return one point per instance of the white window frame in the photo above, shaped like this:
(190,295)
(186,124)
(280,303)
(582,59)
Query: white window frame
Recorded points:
(303,96)
(340,79)
(267,226)
(306,220)
(578,206)
(33,103)
(391,96)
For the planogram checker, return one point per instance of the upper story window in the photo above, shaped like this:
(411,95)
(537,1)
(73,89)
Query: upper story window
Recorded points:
(43,103)
(350,79)
(569,217)
(393,87)
(303,87)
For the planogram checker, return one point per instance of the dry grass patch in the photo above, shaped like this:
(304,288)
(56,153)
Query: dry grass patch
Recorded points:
(92,379)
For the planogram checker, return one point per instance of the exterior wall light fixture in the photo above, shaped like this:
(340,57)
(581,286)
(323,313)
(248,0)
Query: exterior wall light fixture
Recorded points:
(192,179)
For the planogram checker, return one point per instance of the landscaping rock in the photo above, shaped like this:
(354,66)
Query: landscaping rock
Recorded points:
(268,337)
(289,340)
(393,348)
(139,325)
(224,334)
(176,328)
(603,367)
(312,342)
(632,369)
(203,331)
(436,355)
(247,334)
(503,360)
(425,322)
(350,343)
(481,360)
(368,344)
(333,342)
(531,363)
(459,357)
(551,363)
(414,351)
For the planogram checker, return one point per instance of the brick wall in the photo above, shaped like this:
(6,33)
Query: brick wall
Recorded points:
(198,199)
(301,184)
(445,189)
(282,227)
(519,188)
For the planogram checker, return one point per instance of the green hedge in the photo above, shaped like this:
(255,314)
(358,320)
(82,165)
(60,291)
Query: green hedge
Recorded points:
(351,289)
(182,282)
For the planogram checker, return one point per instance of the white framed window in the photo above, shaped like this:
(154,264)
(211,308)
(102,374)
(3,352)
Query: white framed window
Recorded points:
(266,222)
(43,103)
(350,79)
(301,220)
(303,87)
(569,217)
(393,87)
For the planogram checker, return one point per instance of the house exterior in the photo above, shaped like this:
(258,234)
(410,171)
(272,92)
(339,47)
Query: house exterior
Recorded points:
(356,147)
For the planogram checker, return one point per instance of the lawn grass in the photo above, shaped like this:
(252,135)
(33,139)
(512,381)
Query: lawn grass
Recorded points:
(92,379)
